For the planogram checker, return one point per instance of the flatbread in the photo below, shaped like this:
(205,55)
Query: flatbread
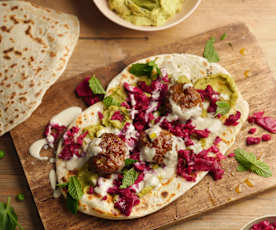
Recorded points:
(172,186)
(35,46)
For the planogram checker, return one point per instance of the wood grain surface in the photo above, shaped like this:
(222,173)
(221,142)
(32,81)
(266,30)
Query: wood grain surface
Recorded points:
(102,42)
(207,195)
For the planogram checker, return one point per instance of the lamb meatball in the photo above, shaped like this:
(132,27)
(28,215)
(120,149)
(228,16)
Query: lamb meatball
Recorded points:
(185,101)
(154,144)
(108,154)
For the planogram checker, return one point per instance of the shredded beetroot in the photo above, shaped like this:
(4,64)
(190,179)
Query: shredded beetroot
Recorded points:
(83,90)
(264,225)
(217,140)
(202,133)
(232,120)
(252,130)
(189,164)
(268,123)
(141,167)
(231,155)
(117,116)
(90,190)
(127,198)
(72,144)
(212,96)
(100,115)
(266,137)
(143,106)
(53,133)
(253,140)
(252,119)
(129,135)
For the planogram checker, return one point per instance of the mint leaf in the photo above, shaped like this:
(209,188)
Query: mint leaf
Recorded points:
(62,185)
(109,100)
(129,178)
(95,85)
(240,168)
(2,154)
(149,69)
(210,52)
(261,169)
(249,162)
(74,188)
(223,107)
(72,204)
(129,162)
(20,197)
(223,36)
(8,217)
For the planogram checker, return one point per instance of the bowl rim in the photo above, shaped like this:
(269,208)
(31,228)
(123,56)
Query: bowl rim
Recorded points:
(261,218)
(148,28)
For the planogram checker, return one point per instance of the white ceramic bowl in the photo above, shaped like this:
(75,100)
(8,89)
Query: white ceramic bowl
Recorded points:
(270,218)
(189,7)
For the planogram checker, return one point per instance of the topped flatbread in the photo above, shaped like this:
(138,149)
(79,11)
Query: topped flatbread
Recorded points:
(35,46)
(166,121)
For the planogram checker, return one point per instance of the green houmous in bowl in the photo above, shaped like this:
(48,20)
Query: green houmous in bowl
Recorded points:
(146,12)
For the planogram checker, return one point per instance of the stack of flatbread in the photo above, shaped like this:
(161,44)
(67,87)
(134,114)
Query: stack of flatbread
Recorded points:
(35,46)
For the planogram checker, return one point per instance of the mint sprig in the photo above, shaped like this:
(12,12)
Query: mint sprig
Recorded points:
(248,161)
(129,178)
(150,69)
(8,217)
(74,188)
(129,162)
(209,51)
(72,204)
(74,194)
(223,107)
(223,36)
(96,86)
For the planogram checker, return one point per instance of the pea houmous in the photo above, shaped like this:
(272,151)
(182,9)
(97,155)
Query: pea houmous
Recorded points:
(221,83)
(146,12)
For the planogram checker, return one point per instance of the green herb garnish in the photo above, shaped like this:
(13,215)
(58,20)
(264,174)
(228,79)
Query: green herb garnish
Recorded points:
(2,154)
(129,162)
(248,161)
(74,194)
(109,100)
(223,36)
(223,107)
(210,52)
(149,69)
(129,178)
(62,185)
(20,197)
(8,217)
(74,188)
(95,85)
(72,204)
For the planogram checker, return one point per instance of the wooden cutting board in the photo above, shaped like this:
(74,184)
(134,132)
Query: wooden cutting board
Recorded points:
(259,89)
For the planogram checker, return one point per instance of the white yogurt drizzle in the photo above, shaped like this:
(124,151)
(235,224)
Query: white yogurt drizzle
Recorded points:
(65,117)
(53,182)
(36,147)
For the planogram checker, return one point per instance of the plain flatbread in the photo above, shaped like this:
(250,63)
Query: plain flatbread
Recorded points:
(35,46)
(193,67)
